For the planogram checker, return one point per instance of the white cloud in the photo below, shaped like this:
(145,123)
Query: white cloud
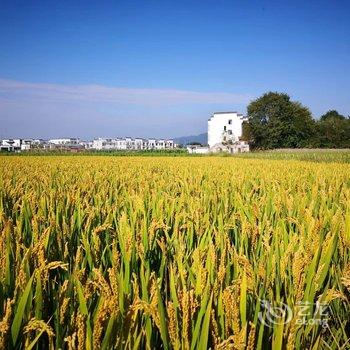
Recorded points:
(12,89)
(54,110)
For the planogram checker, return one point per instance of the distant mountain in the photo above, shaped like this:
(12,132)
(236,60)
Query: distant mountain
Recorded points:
(185,140)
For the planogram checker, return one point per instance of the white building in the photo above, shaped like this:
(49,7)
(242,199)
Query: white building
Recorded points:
(169,144)
(106,144)
(26,144)
(223,125)
(11,145)
(39,143)
(67,144)
(65,141)
(225,131)
(224,134)
(160,144)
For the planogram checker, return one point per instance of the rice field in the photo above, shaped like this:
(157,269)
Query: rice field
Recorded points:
(174,253)
(310,155)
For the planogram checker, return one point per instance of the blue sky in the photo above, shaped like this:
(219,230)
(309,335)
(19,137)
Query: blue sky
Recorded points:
(160,68)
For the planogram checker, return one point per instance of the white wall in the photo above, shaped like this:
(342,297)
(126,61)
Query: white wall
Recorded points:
(217,124)
(197,150)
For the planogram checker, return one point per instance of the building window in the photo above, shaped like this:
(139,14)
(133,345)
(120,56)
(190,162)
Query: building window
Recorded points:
(230,132)
(230,121)
(225,128)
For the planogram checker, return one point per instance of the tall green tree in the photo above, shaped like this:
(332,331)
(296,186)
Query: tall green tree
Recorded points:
(277,122)
(333,130)
(332,114)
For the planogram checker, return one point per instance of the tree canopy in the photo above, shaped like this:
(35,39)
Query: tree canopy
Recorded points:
(332,114)
(333,130)
(275,121)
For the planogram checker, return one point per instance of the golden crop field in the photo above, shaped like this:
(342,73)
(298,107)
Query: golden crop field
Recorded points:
(173,253)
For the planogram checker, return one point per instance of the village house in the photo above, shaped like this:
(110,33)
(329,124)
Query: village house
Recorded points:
(224,134)
(11,145)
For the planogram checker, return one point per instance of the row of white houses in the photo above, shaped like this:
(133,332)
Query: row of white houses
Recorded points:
(18,145)
(100,144)
(129,143)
